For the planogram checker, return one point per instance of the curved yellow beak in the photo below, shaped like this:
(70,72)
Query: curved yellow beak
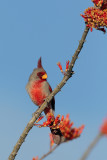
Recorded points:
(44,76)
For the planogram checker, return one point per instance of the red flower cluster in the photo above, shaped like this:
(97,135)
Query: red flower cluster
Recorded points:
(98,3)
(41,117)
(102,4)
(51,121)
(64,124)
(103,128)
(96,17)
(35,158)
(67,131)
(60,66)
(67,65)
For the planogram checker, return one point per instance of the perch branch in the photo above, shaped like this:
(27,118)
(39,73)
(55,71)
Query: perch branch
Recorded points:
(45,155)
(49,98)
(91,146)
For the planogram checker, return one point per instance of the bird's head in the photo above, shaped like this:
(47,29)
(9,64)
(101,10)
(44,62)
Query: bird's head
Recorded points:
(39,73)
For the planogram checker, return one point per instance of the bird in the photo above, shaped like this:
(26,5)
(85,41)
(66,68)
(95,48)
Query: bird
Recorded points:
(39,89)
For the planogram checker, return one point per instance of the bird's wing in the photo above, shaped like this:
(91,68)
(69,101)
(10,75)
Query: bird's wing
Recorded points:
(53,100)
(47,90)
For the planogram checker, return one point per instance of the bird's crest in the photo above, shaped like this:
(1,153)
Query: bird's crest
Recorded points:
(40,63)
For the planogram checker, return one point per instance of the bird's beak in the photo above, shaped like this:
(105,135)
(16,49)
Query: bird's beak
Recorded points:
(44,76)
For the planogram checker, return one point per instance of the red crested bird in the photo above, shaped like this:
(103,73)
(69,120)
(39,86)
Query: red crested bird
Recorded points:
(39,89)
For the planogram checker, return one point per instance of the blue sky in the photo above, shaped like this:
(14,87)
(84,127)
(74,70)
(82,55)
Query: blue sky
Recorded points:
(52,30)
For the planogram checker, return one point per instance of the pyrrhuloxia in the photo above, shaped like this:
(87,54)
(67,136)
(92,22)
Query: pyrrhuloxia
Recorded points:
(38,88)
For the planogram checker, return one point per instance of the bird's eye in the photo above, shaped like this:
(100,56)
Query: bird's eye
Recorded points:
(40,74)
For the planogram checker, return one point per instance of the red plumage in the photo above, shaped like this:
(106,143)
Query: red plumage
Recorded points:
(36,93)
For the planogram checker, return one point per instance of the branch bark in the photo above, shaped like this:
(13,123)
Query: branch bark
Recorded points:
(91,146)
(49,98)
(45,155)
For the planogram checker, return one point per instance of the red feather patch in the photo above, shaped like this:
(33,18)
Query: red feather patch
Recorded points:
(36,93)
(50,88)
(40,63)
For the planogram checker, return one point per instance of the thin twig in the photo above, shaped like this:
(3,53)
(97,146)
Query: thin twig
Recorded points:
(91,146)
(49,98)
(45,155)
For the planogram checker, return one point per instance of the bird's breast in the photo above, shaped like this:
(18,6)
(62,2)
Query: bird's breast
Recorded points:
(37,93)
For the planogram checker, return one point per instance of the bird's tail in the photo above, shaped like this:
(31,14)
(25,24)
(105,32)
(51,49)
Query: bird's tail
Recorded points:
(48,110)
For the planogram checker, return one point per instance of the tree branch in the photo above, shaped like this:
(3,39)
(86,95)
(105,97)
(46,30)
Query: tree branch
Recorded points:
(91,146)
(45,155)
(49,98)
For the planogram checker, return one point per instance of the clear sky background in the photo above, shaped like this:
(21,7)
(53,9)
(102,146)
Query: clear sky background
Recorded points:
(50,29)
